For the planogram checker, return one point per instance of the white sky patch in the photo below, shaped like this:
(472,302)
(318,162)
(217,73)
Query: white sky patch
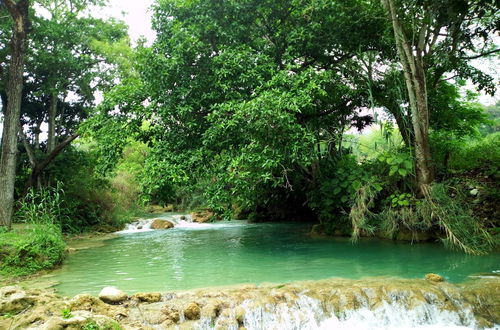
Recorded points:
(136,14)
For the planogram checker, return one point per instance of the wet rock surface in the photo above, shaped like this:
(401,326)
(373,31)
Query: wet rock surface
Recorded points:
(202,216)
(161,224)
(112,295)
(297,305)
(148,297)
(434,277)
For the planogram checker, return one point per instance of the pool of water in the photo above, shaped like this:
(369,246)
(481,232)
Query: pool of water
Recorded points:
(236,252)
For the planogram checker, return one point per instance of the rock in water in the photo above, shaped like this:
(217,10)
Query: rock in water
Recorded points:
(149,297)
(202,216)
(434,277)
(192,311)
(112,295)
(161,224)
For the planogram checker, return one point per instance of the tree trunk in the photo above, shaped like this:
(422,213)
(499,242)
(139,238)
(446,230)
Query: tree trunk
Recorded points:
(19,12)
(411,59)
(36,132)
(51,138)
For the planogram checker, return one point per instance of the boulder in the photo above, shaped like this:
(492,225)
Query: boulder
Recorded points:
(434,277)
(161,224)
(171,313)
(112,295)
(192,311)
(202,216)
(87,302)
(150,297)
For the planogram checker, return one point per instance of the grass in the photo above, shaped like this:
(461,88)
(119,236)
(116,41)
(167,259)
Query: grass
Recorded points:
(30,248)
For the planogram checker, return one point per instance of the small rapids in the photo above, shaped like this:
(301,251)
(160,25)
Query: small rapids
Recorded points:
(368,304)
(178,220)
(309,313)
(333,304)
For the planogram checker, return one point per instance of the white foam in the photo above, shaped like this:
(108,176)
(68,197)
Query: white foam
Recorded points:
(180,221)
(306,313)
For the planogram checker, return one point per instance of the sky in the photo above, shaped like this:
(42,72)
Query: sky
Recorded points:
(135,13)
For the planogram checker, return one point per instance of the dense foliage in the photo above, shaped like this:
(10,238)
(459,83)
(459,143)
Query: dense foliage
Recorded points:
(249,109)
(266,110)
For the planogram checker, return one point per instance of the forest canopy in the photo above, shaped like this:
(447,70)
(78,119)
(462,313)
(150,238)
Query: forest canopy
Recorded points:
(354,114)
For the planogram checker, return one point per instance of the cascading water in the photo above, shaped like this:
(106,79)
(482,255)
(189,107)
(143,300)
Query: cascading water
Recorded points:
(340,304)
(143,225)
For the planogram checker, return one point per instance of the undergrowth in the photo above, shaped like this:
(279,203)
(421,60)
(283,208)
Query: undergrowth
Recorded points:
(38,244)
(437,212)
(30,249)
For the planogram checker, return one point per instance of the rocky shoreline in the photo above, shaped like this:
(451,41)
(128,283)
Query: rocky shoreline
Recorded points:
(299,305)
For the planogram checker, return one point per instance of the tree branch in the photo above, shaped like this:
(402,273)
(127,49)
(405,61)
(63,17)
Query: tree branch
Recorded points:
(27,146)
(480,55)
(50,157)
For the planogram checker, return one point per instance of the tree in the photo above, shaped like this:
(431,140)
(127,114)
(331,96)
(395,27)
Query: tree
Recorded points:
(220,73)
(12,110)
(66,66)
(434,38)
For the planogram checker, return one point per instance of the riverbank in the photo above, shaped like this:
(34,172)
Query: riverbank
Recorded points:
(370,303)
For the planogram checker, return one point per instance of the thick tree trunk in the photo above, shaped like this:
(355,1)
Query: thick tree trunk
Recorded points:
(411,59)
(19,12)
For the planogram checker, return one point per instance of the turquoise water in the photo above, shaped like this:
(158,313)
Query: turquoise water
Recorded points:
(235,252)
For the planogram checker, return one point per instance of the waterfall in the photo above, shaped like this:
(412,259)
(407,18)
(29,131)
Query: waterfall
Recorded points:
(346,304)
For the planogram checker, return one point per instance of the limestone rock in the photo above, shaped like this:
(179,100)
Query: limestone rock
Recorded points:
(192,311)
(79,320)
(150,297)
(172,314)
(161,224)
(87,302)
(212,309)
(434,277)
(239,314)
(202,216)
(112,295)
(14,299)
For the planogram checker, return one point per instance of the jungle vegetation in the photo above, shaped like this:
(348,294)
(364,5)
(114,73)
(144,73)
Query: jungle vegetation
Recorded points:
(359,115)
